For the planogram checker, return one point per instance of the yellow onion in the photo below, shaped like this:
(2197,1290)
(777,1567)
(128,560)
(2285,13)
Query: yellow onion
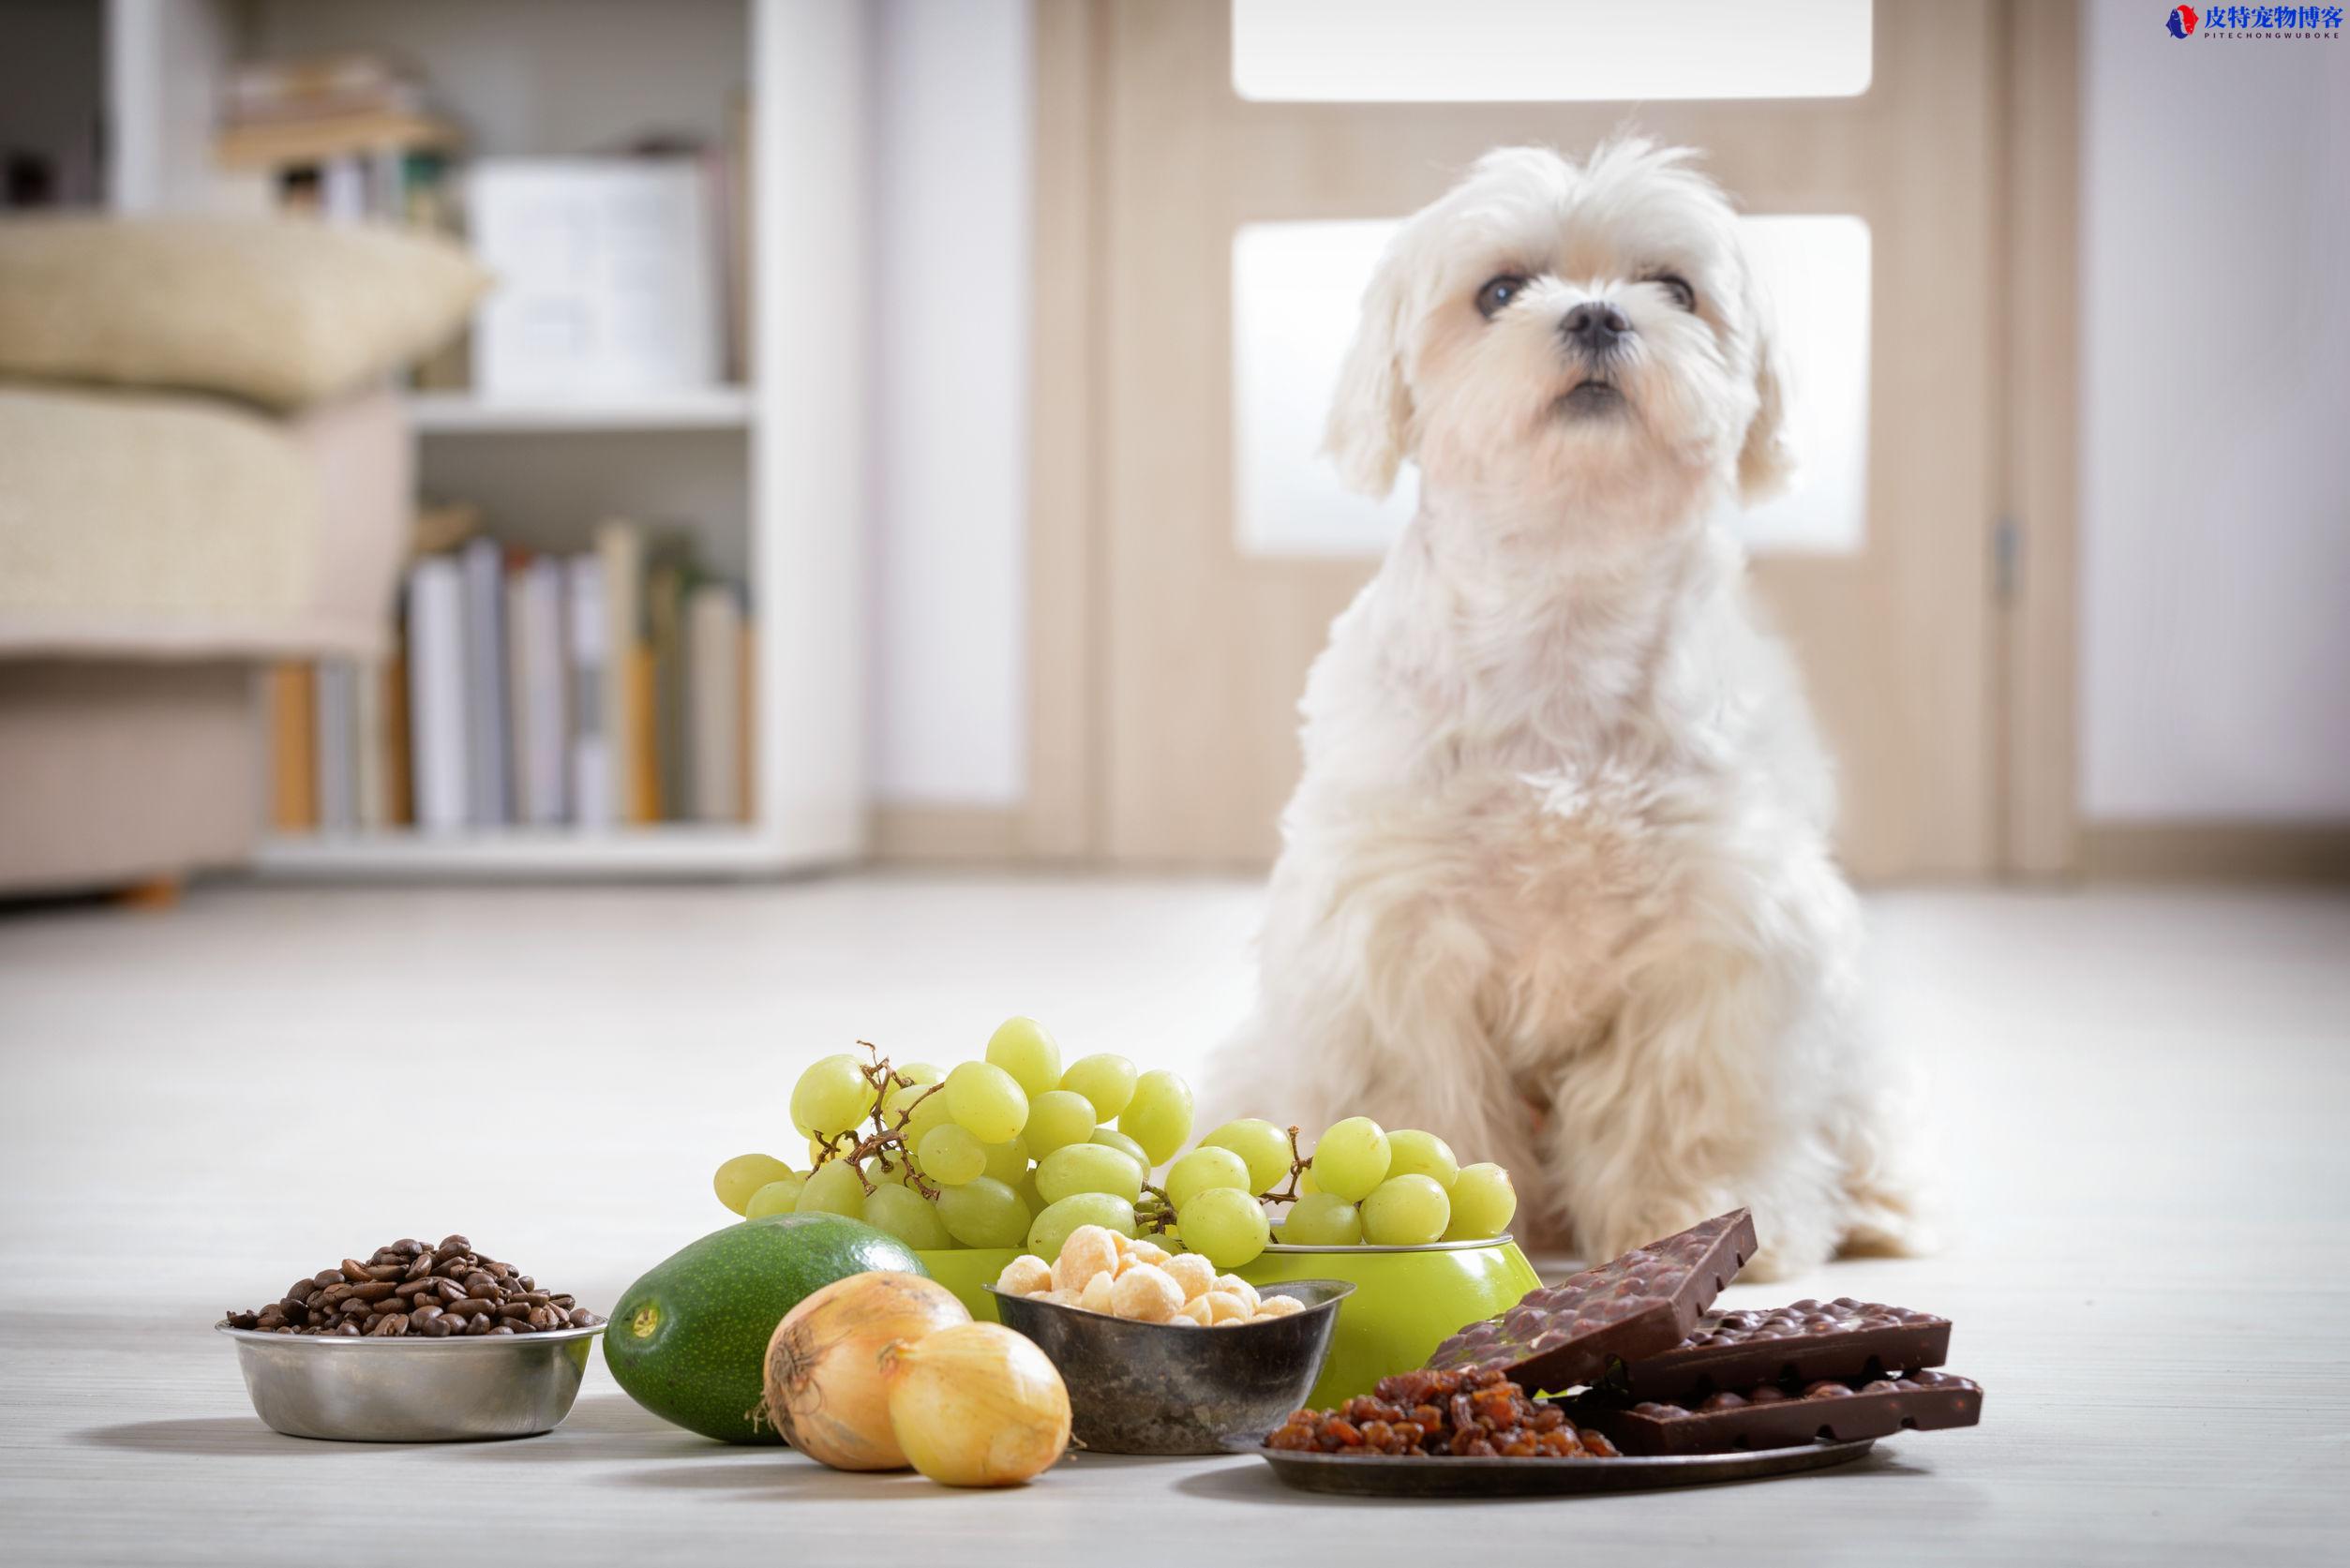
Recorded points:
(977,1405)
(825,1390)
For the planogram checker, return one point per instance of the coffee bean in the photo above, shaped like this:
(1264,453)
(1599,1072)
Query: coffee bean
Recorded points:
(407,1289)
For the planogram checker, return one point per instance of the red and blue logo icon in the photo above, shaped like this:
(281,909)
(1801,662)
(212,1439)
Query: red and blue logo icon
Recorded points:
(2182,21)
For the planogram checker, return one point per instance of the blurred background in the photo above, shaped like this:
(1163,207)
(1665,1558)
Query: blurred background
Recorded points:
(560,560)
(887,431)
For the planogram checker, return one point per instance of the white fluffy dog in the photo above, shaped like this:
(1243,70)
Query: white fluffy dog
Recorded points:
(1556,884)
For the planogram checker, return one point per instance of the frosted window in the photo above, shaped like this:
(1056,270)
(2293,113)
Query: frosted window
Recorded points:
(1548,50)
(1814,274)
(1296,290)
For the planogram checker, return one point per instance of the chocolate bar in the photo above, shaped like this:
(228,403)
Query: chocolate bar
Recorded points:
(1640,1304)
(1770,1417)
(1801,1343)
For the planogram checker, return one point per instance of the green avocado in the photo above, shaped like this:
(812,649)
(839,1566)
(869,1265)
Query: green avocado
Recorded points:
(688,1341)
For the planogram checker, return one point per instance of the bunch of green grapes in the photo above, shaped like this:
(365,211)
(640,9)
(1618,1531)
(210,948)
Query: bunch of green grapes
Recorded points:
(1363,1184)
(1010,1150)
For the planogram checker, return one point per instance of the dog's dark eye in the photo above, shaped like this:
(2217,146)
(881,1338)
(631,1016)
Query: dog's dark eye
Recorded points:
(1498,293)
(1677,287)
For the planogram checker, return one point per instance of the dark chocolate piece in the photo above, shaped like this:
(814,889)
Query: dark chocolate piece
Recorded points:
(1802,1342)
(1643,1302)
(1770,1417)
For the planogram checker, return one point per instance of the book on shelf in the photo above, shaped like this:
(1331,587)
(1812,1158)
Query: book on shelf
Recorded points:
(438,727)
(496,706)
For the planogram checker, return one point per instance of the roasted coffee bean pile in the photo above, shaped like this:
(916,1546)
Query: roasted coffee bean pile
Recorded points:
(409,1288)
(1477,1411)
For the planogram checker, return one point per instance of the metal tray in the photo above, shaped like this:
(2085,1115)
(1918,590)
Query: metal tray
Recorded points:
(1381,1477)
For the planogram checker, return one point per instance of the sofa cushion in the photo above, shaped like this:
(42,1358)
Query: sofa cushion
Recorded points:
(284,312)
(158,526)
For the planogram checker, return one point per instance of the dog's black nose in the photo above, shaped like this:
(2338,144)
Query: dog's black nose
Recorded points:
(1593,326)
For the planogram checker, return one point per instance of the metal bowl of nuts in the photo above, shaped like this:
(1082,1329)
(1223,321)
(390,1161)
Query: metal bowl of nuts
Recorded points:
(1164,1388)
(419,1344)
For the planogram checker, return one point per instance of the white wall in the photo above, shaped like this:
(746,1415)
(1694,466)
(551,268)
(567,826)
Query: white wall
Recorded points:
(2215,498)
(950,299)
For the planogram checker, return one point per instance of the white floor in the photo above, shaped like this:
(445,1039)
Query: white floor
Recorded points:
(2142,1109)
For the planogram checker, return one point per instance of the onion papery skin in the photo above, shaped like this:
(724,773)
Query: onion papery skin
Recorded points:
(977,1405)
(826,1392)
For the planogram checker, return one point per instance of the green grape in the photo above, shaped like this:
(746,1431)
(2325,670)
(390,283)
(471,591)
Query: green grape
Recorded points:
(1106,1080)
(917,1074)
(1007,1162)
(925,1107)
(1202,1168)
(1483,1200)
(986,1101)
(887,1169)
(1087,1168)
(1025,1049)
(1159,1117)
(1025,1189)
(780,1196)
(907,1216)
(1406,1211)
(1111,1137)
(832,1187)
(1057,1118)
(1323,1219)
(1053,1226)
(744,1174)
(1351,1159)
(1307,1185)
(832,1095)
(1413,1153)
(1263,1145)
(983,1212)
(950,1156)
(1226,1226)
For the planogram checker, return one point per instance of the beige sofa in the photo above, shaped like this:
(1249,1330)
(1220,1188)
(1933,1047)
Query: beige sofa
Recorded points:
(200,475)
(156,552)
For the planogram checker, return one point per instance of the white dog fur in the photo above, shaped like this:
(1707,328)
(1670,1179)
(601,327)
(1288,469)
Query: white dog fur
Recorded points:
(1556,882)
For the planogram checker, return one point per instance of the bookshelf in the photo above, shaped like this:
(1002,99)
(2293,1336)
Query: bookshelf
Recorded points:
(456,413)
(768,476)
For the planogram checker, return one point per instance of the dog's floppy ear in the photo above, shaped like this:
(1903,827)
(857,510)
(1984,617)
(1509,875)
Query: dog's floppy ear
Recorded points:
(1766,462)
(1371,415)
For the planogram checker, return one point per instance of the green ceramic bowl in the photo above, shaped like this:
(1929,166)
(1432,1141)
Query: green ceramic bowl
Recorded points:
(1407,1299)
(967,1271)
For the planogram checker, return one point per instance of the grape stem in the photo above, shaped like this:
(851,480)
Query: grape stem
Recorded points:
(1154,1217)
(886,1135)
(1298,1165)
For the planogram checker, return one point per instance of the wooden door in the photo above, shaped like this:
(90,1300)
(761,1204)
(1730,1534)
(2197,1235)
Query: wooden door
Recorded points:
(1204,647)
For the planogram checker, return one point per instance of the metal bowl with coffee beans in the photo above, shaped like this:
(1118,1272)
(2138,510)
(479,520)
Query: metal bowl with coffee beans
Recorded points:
(418,1343)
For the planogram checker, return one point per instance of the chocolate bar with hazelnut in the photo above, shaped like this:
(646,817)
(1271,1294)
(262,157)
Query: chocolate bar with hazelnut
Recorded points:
(1802,1342)
(1770,1417)
(1644,1303)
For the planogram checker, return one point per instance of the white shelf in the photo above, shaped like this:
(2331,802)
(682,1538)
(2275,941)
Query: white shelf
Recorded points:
(663,849)
(722,407)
